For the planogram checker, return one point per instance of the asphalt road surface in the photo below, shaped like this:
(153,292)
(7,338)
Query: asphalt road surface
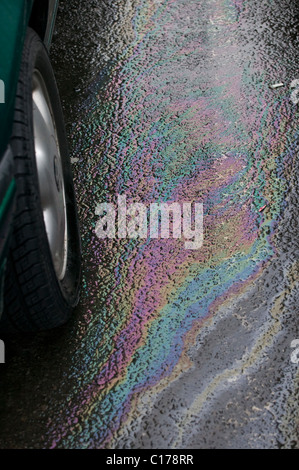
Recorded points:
(174,348)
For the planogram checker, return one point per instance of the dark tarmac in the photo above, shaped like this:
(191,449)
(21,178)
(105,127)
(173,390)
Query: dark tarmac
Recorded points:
(172,348)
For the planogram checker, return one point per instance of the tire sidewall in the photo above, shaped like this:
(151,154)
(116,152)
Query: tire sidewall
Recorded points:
(66,291)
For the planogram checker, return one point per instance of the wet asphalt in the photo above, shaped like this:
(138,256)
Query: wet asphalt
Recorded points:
(172,348)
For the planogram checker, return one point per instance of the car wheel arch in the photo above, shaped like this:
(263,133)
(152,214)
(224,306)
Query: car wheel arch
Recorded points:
(42,18)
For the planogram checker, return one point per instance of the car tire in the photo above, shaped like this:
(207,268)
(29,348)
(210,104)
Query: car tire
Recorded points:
(43,268)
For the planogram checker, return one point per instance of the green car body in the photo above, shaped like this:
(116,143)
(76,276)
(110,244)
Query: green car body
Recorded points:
(15,17)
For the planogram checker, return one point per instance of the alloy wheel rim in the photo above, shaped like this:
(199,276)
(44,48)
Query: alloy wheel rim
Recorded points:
(50,175)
